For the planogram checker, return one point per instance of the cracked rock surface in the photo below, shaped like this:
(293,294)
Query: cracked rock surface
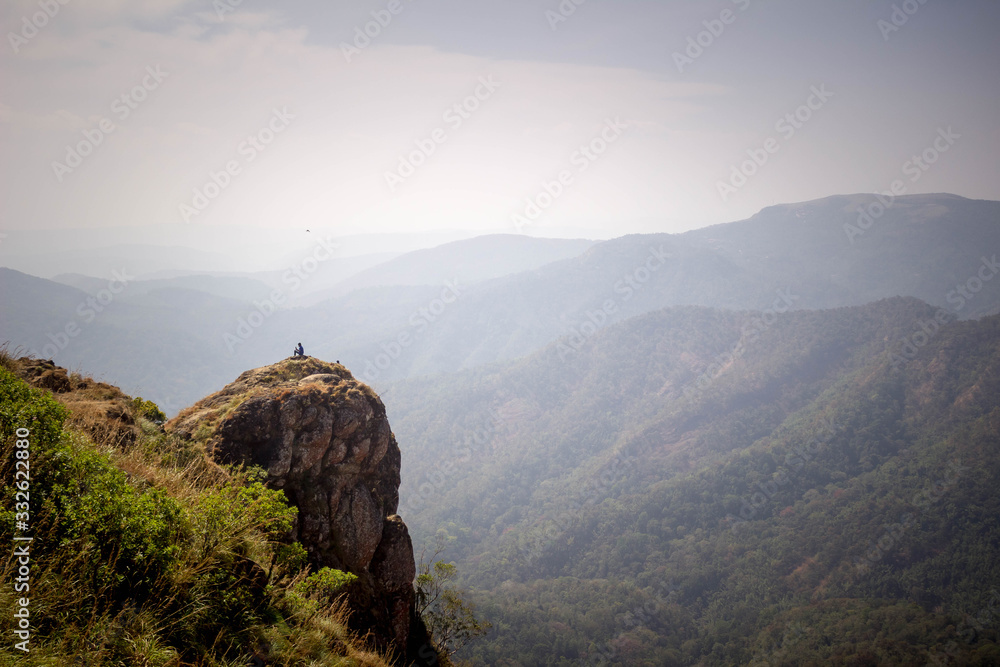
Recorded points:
(323,437)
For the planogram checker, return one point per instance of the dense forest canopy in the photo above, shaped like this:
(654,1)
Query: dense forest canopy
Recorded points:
(685,489)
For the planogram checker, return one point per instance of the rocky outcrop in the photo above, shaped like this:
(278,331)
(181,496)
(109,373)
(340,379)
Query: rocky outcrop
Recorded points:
(323,437)
(100,410)
(44,374)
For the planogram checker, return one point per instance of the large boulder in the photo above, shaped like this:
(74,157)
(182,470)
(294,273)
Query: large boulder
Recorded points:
(323,438)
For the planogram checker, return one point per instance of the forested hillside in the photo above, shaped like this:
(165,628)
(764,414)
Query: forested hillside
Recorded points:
(703,487)
(449,308)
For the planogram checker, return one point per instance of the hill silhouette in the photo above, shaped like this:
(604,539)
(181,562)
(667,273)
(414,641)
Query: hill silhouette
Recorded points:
(690,487)
(925,246)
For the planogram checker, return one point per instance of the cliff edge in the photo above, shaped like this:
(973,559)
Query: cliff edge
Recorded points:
(324,439)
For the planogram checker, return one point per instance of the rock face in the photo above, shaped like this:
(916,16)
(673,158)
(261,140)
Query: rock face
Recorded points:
(323,438)
(101,410)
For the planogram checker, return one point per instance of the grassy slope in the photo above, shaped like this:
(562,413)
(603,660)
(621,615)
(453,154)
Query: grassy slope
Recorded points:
(145,552)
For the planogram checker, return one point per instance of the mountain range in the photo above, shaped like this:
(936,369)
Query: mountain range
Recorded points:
(695,486)
(770,442)
(391,322)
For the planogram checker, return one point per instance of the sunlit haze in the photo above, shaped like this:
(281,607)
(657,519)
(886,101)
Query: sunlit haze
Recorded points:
(513,333)
(462,116)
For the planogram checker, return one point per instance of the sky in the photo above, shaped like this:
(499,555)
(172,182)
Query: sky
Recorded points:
(575,118)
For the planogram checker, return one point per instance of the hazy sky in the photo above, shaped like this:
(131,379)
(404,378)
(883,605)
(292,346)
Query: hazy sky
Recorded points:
(182,85)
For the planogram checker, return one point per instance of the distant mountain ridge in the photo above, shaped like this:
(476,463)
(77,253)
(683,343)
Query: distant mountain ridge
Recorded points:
(230,287)
(923,246)
(477,259)
(926,246)
(918,245)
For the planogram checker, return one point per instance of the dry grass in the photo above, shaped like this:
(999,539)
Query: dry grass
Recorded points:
(108,422)
(8,359)
(182,469)
(78,624)
(322,637)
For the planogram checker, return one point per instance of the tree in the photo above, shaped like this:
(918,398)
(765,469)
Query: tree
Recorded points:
(450,620)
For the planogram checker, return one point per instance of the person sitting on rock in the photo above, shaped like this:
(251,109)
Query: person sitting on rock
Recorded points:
(299,351)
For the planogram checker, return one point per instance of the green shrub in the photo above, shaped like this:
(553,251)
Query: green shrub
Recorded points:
(148,410)
(81,502)
(308,597)
(236,511)
(132,535)
(33,409)
(327,583)
(159,565)
(289,558)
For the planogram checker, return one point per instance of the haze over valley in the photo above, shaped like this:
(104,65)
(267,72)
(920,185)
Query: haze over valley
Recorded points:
(572,333)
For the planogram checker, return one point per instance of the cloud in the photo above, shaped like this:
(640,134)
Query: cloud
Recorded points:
(361,124)
(92,12)
(352,122)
